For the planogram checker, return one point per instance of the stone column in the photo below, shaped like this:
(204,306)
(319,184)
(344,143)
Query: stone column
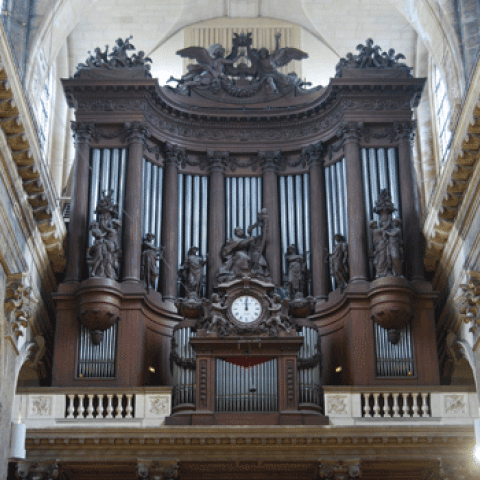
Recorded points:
(412,234)
(132,220)
(77,240)
(216,233)
(318,225)
(170,223)
(270,161)
(357,229)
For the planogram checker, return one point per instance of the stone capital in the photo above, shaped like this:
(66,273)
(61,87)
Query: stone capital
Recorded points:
(405,131)
(175,156)
(313,154)
(351,131)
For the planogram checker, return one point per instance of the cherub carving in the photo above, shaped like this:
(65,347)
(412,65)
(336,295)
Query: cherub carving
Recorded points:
(278,318)
(266,64)
(215,316)
(209,68)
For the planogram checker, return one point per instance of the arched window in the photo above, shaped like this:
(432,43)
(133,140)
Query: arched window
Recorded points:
(44,112)
(442,113)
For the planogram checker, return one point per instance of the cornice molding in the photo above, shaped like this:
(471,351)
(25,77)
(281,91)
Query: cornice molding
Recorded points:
(24,153)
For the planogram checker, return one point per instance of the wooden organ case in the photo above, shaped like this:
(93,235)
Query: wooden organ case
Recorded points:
(243,237)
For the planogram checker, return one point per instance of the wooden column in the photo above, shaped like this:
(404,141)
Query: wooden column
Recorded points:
(318,225)
(216,225)
(357,230)
(132,219)
(270,162)
(77,240)
(170,223)
(412,234)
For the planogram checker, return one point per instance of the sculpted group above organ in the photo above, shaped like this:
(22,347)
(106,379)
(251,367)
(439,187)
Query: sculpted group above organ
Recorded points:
(244,72)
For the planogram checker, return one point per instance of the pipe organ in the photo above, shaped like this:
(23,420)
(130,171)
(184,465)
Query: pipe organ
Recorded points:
(264,234)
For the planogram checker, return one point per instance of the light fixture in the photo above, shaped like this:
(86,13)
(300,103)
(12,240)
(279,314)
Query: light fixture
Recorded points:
(17,440)
(338,369)
(151,369)
(476,424)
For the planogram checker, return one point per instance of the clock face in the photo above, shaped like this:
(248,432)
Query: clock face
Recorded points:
(246,309)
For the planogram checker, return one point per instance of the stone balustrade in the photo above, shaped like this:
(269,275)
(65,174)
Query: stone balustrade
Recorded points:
(141,407)
(434,405)
(55,407)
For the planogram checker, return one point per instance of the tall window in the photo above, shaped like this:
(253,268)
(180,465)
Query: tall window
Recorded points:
(44,112)
(443,114)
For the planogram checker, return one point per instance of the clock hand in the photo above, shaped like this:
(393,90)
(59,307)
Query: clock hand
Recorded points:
(246,303)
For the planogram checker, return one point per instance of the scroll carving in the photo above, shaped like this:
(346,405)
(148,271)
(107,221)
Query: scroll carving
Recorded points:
(20,301)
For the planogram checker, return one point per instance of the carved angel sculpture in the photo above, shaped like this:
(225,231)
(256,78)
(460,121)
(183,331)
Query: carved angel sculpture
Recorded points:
(267,63)
(209,67)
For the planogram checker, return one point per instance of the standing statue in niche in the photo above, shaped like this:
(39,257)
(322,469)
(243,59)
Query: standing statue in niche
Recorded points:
(387,239)
(339,261)
(104,255)
(243,255)
(296,271)
(150,256)
(191,273)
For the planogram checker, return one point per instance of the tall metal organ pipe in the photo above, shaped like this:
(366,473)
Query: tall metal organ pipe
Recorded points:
(107,173)
(193,193)
(309,378)
(294,193)
(336,193)
(184,378)
(152,202)
(243,196)
(246,389)
(97,361)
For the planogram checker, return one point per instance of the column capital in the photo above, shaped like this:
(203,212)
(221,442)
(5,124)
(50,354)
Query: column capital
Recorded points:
(174,155)
(270,161)
(312,155)
(217,160)
(136,132)
(351,131)
(83,132)
(405,131)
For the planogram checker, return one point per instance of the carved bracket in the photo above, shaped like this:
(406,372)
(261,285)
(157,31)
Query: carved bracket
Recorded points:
(338,470)
(468,300)
(19,304)
(163,470)
(38,471)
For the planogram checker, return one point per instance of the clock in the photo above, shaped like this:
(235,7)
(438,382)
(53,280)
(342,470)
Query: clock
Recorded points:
(246,309)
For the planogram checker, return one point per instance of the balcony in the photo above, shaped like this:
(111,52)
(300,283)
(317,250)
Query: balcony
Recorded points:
(46,408)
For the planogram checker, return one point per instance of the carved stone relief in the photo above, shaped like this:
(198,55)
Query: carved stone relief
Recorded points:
(337,405)
(456,405)
(158,405)
(20,301)
(40,406)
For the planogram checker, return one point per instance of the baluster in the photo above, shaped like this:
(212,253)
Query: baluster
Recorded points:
(425,405)
(81,409)
(387,411)
(129,408)
(100,406)
(89,406)
(376,405)
(396,406)
(366,407)
(70,408)
(415,397)
(405,410)
(109,406)
(118,410)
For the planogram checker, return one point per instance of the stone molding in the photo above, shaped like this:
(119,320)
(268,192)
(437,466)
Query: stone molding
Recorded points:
(24,153)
